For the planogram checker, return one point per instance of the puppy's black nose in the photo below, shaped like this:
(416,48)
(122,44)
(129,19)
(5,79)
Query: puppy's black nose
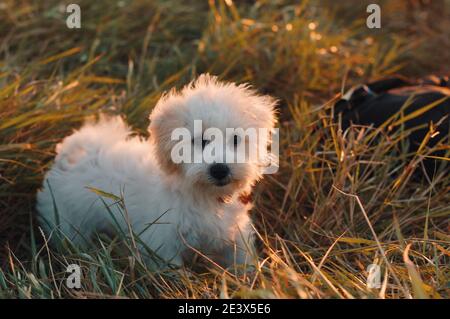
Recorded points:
(219,171)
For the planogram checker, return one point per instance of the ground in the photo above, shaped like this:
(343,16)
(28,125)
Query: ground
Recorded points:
(339,203)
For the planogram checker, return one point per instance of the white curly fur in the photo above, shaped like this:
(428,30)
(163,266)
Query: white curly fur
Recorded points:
(184,208)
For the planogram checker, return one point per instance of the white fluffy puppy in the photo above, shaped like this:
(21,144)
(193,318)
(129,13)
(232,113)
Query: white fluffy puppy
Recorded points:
(179,210)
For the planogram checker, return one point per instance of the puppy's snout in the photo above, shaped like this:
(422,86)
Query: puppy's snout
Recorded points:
(221,173)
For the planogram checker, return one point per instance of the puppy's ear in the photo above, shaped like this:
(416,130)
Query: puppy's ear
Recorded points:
(268,106)
(165,117)
(265,110)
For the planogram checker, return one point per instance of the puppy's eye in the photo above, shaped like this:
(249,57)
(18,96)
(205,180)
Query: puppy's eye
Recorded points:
(204,143)
(236,140)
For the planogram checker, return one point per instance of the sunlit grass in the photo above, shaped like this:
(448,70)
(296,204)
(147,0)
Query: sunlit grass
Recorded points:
(341,201)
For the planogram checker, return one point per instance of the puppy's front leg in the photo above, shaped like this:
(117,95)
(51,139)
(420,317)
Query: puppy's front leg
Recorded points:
(239,253)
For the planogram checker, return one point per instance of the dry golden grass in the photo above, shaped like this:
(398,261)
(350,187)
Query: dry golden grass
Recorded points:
(341,200)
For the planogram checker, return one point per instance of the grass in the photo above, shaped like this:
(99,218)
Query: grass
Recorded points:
(341,200)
